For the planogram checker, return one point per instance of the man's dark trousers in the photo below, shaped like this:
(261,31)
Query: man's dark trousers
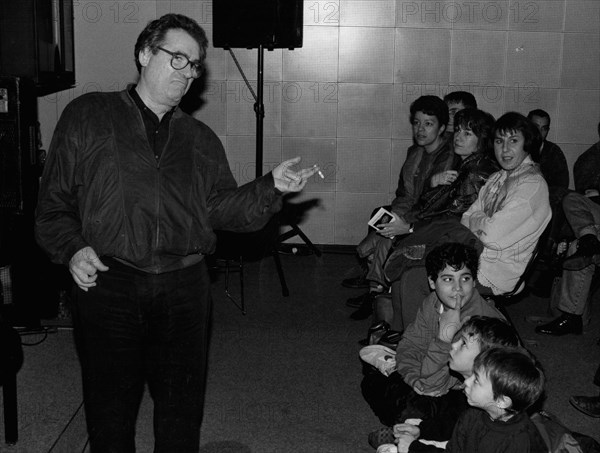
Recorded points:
(135,328)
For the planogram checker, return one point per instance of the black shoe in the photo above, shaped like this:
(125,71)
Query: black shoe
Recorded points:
(563,325)
(356,302)
(391,339)
(375,332)
(366,308)
(356,282)
(589,405)
(587,246)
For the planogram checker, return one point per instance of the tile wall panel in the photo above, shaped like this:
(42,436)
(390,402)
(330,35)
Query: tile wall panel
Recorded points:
(581,61)
(492,15)
(317,60)
(546,15)
(309,109)
(422,56)
(322,12)
(578,116)
(532,59)
(364,110)
(477,57)
(363,165)
(367,13)
(365,55)
(582,16)
(424,14)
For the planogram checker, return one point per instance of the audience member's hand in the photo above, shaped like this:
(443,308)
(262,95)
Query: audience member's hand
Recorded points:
(444,178)
(394,228)
(450,320)
(84,267)
(288,180)
(406,429)
(405,435)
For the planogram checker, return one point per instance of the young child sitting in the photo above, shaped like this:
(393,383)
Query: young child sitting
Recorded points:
(423,352)
(505,382)
(478,334)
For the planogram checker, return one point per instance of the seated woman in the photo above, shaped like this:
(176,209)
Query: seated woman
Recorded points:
(510,213)
(473,145)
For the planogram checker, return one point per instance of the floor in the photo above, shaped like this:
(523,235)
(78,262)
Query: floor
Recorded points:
(284,377)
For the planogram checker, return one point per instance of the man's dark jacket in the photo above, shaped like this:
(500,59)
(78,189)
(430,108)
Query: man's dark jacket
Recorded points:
(103,187)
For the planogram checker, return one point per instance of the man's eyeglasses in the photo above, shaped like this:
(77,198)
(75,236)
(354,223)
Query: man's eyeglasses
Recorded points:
(180,61)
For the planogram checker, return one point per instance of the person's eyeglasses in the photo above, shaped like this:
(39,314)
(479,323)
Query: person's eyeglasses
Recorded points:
(180,61)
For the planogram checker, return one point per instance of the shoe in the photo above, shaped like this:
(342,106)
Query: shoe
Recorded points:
(356,302)
(563,325)
(588,249)
(356,282)
(381,357)
(391,339)
(366,308)
(376,331)
(589,405)
(381,436)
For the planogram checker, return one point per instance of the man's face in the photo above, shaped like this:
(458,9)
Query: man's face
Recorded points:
(509,149)
(543,125)
(165,85)
(463,353)
(453,287)
(426,130)
(453,107)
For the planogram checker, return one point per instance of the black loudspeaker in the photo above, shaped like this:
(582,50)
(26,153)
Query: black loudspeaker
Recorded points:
(37,42)
(19,169)
(273,24)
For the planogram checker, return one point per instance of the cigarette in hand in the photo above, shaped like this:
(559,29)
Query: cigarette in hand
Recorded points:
(319,172)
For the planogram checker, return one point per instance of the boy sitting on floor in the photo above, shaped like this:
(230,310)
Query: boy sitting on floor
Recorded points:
(478,334)
(423,352)
(505,382)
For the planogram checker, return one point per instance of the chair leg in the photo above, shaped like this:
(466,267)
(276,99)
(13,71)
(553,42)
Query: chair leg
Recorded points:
(284,289)
(9,391)
(242,304)
(242,298)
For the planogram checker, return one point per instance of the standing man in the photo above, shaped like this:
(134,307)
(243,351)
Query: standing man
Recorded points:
(131,193)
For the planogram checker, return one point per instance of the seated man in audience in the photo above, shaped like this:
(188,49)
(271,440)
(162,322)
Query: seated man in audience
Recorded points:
(457,101)
(477,334)
(582,211)
(424,350)
(553,163)
(430,154)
